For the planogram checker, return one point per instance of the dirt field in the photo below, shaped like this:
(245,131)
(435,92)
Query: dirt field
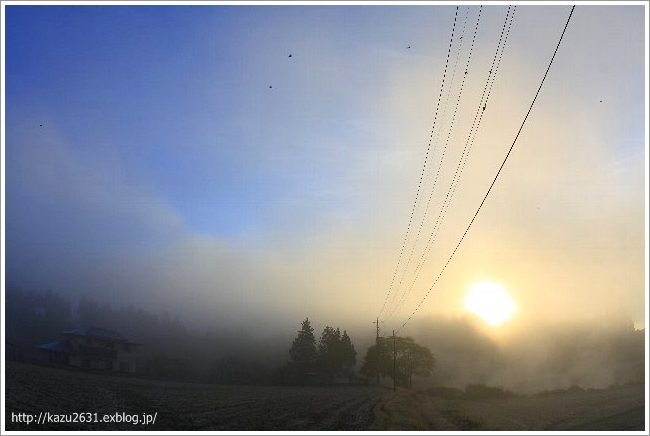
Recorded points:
(187,406)
(612,409)
(182,406)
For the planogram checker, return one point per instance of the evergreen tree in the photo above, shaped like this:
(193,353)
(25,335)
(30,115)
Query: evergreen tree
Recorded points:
(348,353)
(336,352)
(329,350)
(303,348)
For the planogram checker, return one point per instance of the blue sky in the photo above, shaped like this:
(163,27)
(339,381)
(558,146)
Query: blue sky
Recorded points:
(177,157)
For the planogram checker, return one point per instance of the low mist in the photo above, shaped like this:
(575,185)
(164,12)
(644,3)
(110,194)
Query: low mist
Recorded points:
(538,357)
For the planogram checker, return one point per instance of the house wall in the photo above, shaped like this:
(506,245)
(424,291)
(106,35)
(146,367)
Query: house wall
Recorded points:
(124,360)
(52,358)
(75,360)
(11,351)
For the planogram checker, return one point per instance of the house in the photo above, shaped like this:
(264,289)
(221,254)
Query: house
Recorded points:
(92,348)
(12,351)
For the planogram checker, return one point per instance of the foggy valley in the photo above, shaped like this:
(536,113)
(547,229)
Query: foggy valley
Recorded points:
(556,356)
(337,217)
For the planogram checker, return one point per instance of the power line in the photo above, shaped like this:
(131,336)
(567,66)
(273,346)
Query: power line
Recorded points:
(397,307)
(451,126)
(497,174)
(487,90)
(417,195)
(440,160)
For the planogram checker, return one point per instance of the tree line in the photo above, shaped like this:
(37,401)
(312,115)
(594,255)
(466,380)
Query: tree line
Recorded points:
(332,358)
(398,358)
(172,351)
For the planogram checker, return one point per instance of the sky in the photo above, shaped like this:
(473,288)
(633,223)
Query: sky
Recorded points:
(262,164)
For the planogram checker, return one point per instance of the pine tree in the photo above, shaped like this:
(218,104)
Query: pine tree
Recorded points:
(348,353)
(329,350)
(303,348)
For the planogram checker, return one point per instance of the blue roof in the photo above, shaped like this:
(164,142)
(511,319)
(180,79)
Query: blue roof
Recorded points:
(97,332)
(57,347)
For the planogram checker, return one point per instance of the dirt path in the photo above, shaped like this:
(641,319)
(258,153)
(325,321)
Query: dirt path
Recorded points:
(181,406)
(409,411)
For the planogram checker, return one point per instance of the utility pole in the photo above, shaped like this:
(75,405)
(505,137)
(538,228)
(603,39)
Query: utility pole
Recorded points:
(394,360)
(377,322)
(377,349)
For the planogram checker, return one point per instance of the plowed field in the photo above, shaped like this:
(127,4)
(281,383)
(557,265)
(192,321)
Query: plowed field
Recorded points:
(34,391)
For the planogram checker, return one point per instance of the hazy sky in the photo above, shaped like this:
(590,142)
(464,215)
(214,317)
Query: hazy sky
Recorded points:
(177,157)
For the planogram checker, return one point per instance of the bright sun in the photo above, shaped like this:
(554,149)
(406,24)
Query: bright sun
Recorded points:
(490,301)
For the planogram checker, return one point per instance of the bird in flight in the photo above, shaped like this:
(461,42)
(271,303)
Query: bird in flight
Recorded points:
(408,47)
(289,54)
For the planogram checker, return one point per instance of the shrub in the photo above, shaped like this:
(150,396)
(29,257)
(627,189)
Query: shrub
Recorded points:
(445,392)
(483,392)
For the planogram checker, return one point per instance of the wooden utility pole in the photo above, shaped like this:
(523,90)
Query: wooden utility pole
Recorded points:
(394,361)
(377,349)
(377,322)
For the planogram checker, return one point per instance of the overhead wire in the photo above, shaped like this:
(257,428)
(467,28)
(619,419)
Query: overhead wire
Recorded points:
(399,304)
(495,177)
(440,160)
(487,90)
(426,159)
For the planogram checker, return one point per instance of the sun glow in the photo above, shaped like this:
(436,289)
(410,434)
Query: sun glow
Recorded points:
(490,302)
